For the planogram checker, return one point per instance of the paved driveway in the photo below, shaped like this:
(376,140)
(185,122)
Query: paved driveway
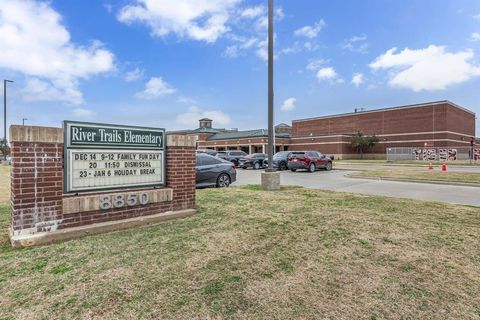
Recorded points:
(337,181)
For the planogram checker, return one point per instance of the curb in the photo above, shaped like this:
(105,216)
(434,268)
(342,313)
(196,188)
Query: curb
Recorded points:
(420,165)
(458,184)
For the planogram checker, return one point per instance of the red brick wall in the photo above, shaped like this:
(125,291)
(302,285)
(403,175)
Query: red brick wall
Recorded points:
(404,120)
(403,127)
(181,176)
(37,184)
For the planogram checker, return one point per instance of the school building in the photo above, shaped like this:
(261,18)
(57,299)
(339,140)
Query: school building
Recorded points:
(440,124)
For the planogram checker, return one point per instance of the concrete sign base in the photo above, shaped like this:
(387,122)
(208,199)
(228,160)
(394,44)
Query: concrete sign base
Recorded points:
(271,180)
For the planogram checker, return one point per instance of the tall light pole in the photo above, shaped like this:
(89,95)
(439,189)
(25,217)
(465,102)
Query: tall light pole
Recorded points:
(270,86)
(5,114)
(23,121)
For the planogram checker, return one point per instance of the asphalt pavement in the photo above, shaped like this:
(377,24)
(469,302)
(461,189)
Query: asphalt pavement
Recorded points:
(337,181)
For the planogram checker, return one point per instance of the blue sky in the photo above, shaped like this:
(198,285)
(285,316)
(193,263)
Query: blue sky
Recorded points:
(167,63)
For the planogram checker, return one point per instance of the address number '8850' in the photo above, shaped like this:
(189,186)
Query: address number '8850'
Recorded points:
(120,201)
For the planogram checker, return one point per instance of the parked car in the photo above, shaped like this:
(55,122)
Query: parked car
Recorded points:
(208,151)
(280,160)
(231,155)
(309,160)
(214,172)
(254,160)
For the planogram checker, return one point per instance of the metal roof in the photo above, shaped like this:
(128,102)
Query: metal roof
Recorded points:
(246,134)
(206,130)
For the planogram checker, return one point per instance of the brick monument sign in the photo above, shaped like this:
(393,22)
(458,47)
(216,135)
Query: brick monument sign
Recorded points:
(91,178)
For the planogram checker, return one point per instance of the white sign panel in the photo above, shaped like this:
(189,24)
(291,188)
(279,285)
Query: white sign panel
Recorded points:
(109,169)
(108,157)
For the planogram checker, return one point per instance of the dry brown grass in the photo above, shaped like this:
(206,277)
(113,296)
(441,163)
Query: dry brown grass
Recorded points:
(4,184)
(423,175)
(251,254)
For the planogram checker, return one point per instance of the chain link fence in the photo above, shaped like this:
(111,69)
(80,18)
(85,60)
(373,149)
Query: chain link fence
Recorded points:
(433,154)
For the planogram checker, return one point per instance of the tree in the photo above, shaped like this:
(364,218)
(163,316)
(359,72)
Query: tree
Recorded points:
(4,149)
(362,143)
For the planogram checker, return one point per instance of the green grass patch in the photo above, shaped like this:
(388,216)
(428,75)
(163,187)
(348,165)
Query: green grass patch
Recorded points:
(423,175)
(256,254)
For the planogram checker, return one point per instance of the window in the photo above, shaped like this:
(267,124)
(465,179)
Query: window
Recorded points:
(209,161)
(312,154)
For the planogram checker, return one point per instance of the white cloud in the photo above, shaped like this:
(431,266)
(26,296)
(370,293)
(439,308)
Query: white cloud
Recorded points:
(253,12)
(35,43)
(310,31)
(300,47)
(83,113)
(289,104)
(133,75)
(315,65)
(154,88)
(45,90)
(203,20)
(357,79)
(327,73)
(477,16)
(242,43)
(193,114)
(475,36)
(356,44)
(186,100)
(432,68)
(262,50)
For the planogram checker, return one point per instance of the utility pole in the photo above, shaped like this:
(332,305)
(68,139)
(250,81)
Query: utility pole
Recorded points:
(270,86)
(5,115)
(270,178)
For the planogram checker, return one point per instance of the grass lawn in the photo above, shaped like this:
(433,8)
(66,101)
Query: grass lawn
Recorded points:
(448,176)
(410,162)
(252,254)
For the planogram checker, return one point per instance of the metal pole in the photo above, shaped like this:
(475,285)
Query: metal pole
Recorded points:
(270,86)
(4,118)
(5,114)
(23,121)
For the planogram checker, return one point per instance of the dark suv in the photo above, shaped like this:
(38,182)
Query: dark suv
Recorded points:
(310,160)
(280,160)
(232,155)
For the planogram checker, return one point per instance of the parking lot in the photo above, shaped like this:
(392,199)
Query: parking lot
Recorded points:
(337,181)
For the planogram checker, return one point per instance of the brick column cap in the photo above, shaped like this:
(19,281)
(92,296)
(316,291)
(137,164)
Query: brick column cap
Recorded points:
(175,140)
(35,134)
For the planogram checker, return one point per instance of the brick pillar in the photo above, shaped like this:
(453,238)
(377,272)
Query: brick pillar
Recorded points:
(36,178)
(181,170)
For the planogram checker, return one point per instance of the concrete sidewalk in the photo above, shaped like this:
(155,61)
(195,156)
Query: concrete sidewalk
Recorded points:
(337,181)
